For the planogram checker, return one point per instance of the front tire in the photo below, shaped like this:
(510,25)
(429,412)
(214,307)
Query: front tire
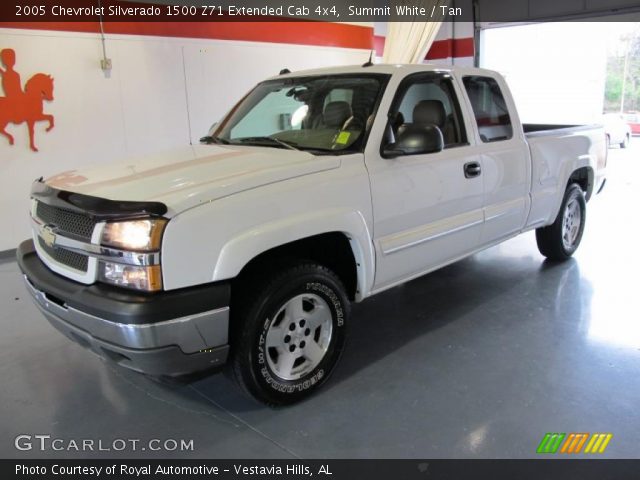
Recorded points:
(561,239)
(290,333)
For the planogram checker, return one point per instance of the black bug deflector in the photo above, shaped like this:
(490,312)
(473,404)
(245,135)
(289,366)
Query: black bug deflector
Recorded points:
(96,207)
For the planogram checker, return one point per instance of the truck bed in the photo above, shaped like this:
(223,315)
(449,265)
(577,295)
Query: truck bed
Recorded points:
(540,129)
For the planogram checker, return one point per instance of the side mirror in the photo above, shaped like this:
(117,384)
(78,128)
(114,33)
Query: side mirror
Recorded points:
(415,140)
(207,137)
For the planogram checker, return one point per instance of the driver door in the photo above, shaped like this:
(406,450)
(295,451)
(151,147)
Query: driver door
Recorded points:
(427,208)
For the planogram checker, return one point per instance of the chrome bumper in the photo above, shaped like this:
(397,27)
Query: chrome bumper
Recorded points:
(173,347)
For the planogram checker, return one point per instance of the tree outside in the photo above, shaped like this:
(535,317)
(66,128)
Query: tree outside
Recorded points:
(622,90)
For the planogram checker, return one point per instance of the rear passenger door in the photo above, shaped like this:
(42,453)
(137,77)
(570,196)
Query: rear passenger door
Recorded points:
(427,208)
(506,165)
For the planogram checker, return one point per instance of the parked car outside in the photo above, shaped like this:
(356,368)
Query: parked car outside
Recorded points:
(617,130)
(633,120)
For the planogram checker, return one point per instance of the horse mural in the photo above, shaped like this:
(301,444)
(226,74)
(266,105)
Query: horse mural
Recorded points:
(17,106)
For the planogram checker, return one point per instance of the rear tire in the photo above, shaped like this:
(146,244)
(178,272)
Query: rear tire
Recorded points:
(561,239)
(290,334)
(625,143)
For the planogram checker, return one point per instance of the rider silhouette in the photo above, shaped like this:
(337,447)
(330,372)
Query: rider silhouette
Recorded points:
(18,106)
(10,78)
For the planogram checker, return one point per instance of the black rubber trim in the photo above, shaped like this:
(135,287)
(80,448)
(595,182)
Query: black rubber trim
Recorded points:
(117,304)
(98,208)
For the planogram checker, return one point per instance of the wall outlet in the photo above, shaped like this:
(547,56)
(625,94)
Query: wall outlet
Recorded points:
(105,64)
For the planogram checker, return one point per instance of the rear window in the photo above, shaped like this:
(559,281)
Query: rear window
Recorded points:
(632,118)
(489,108)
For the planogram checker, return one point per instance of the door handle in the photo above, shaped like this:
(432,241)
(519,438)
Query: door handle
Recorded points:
(472,169)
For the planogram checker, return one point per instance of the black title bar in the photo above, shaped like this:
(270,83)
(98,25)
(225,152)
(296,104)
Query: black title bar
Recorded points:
(312,10)
(322,469)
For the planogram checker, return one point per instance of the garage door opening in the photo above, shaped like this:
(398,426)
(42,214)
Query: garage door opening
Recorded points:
(571,72)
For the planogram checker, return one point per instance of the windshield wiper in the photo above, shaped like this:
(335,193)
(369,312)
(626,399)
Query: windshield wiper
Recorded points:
(272,140)
(211,139)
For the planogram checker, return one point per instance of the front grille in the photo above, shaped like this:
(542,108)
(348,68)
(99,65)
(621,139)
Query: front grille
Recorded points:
(66,221)
(71,259)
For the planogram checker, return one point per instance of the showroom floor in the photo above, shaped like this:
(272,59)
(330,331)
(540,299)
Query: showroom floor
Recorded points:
(479,360)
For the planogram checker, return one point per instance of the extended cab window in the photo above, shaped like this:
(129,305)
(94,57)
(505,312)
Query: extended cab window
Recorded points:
(429,100)
(489,108)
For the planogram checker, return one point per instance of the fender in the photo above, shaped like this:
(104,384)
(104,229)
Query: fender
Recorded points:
(242,248)
(215,240)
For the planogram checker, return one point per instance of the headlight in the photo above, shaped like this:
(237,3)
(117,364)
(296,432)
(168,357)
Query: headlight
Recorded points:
(131,276)
(140,235)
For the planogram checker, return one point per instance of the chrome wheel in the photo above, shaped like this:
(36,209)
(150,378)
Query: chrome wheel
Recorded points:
(299,336)
(571,221)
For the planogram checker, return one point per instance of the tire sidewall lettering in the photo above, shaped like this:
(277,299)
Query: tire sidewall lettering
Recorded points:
(332,297)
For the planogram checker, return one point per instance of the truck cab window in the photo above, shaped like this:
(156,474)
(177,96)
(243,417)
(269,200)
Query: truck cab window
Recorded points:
(489,109)
(430,101)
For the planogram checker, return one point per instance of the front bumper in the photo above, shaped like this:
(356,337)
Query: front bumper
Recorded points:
(168,333)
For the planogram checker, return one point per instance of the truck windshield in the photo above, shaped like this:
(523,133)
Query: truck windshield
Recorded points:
(320,114)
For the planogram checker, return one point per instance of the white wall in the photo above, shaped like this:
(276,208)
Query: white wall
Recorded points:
(140,109)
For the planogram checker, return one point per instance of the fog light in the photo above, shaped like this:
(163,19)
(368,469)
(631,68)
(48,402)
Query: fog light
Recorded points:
(131,276)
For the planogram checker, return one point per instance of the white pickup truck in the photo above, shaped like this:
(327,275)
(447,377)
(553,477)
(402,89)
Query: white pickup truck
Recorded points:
(317,189)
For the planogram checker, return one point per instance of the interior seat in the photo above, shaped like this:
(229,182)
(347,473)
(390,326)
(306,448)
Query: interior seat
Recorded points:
(432,112)
(335,115)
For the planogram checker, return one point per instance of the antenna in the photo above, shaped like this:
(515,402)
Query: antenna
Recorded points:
(284,71)
(370,62)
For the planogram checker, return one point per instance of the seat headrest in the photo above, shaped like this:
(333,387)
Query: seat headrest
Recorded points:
(336,114)
(430,112)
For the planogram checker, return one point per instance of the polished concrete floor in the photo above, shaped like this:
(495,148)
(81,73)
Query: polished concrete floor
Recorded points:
(478,360)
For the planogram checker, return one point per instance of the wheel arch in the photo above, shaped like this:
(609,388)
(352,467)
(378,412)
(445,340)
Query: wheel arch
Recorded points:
(579,171)
(338,240)
(584,177)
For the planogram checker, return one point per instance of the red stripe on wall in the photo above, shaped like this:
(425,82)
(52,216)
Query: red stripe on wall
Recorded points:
(302,33)
(450,48)
(378,44)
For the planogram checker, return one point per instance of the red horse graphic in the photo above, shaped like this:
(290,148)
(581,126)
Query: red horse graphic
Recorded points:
(17,106)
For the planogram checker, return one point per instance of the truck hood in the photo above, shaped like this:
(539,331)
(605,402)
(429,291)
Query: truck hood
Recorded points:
(188,176)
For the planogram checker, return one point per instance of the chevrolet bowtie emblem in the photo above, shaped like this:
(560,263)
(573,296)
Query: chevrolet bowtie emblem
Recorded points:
(48,235)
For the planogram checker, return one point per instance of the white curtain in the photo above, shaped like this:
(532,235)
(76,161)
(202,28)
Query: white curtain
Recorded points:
(409,42)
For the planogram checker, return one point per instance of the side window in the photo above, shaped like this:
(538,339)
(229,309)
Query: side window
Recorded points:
(431,101)
(489,108)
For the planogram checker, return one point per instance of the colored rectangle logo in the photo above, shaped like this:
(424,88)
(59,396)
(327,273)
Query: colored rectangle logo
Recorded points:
(574,443)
